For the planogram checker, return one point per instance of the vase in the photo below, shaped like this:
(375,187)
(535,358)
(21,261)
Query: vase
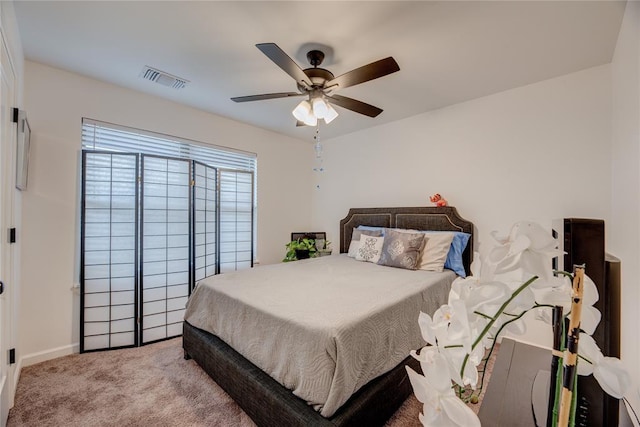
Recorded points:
(302,253)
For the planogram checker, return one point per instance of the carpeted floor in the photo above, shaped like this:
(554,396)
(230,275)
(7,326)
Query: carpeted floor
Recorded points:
(146,386)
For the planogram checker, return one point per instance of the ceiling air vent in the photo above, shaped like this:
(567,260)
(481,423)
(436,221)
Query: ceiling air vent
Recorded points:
(163,78)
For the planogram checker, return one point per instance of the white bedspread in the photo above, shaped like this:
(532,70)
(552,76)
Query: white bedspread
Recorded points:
(322,327)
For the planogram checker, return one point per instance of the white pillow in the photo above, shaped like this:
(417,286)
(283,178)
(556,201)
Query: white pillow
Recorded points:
(435,251)
(369,249)
(355,239)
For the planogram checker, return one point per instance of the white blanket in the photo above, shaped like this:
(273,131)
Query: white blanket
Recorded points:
(322,327)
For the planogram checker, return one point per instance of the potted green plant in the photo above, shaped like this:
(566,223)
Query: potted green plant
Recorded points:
(300,249)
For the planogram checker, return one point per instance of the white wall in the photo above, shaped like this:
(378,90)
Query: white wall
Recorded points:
(56,101)
(624,229)
(538,152)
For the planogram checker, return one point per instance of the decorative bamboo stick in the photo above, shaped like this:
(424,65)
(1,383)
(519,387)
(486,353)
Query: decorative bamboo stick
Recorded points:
(556,355)
(571,352)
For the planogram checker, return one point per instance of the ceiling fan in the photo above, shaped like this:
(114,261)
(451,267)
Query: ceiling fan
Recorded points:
(320,84)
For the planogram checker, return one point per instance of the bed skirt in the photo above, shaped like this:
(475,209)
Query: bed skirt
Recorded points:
(268,403)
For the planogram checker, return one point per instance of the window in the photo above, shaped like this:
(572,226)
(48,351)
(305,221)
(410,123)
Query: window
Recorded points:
(154,222)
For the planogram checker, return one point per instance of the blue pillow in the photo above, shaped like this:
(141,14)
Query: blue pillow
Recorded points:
(454,257)
(371,228)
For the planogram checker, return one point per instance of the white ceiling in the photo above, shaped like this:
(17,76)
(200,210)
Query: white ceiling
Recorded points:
(448,51)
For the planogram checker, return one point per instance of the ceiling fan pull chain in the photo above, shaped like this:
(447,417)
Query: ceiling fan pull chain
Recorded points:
(318,149)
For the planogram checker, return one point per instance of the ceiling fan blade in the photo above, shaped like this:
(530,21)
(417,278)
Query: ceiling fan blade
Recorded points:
(283,61)
(355,105)
(365,73)
(265,96)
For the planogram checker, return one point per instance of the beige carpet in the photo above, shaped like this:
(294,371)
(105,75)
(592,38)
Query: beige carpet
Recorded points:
(147,386)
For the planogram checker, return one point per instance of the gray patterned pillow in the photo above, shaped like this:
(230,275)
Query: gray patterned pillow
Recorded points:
(402,250)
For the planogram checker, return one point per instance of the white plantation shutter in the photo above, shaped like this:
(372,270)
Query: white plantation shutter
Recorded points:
(236,219)
(109,137)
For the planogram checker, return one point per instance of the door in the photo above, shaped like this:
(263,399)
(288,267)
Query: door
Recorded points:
(7,198)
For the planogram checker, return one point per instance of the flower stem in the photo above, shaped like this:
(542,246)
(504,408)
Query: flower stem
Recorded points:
(502,308)
(574,402)
(493,320)
(494,344)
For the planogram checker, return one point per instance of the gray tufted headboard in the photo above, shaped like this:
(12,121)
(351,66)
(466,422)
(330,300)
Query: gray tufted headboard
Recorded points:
(416,218)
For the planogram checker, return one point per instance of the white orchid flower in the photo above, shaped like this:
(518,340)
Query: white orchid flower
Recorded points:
(427,328)
(428,356)
(459,329)
(441,405)
(469,375)
(590,294)
(436,331)
(590,319)
(560,295)
(612,377)
(589,353)
(523,301)
(590,315)
(476,268)
(449,326)
(451,330)
(481,297)
(608,371)
(528,247)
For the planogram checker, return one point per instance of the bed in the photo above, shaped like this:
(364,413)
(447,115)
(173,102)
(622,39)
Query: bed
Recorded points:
(379,389)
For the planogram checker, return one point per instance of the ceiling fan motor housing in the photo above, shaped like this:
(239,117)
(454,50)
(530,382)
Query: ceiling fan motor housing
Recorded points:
(318,77)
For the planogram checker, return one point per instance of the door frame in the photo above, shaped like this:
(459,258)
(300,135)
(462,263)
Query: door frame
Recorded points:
(9,252)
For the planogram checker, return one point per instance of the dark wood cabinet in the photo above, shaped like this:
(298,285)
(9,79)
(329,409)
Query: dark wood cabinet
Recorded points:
(507,401)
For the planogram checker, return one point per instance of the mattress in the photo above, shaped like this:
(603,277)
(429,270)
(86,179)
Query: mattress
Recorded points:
(322,327)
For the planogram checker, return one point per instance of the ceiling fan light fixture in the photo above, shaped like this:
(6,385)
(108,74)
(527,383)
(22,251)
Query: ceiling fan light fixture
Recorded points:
(331,114)
(302,111)
(320,107)
(311,120)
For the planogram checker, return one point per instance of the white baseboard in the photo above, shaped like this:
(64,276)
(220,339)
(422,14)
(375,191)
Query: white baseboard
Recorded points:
(43,356)
(16,377)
